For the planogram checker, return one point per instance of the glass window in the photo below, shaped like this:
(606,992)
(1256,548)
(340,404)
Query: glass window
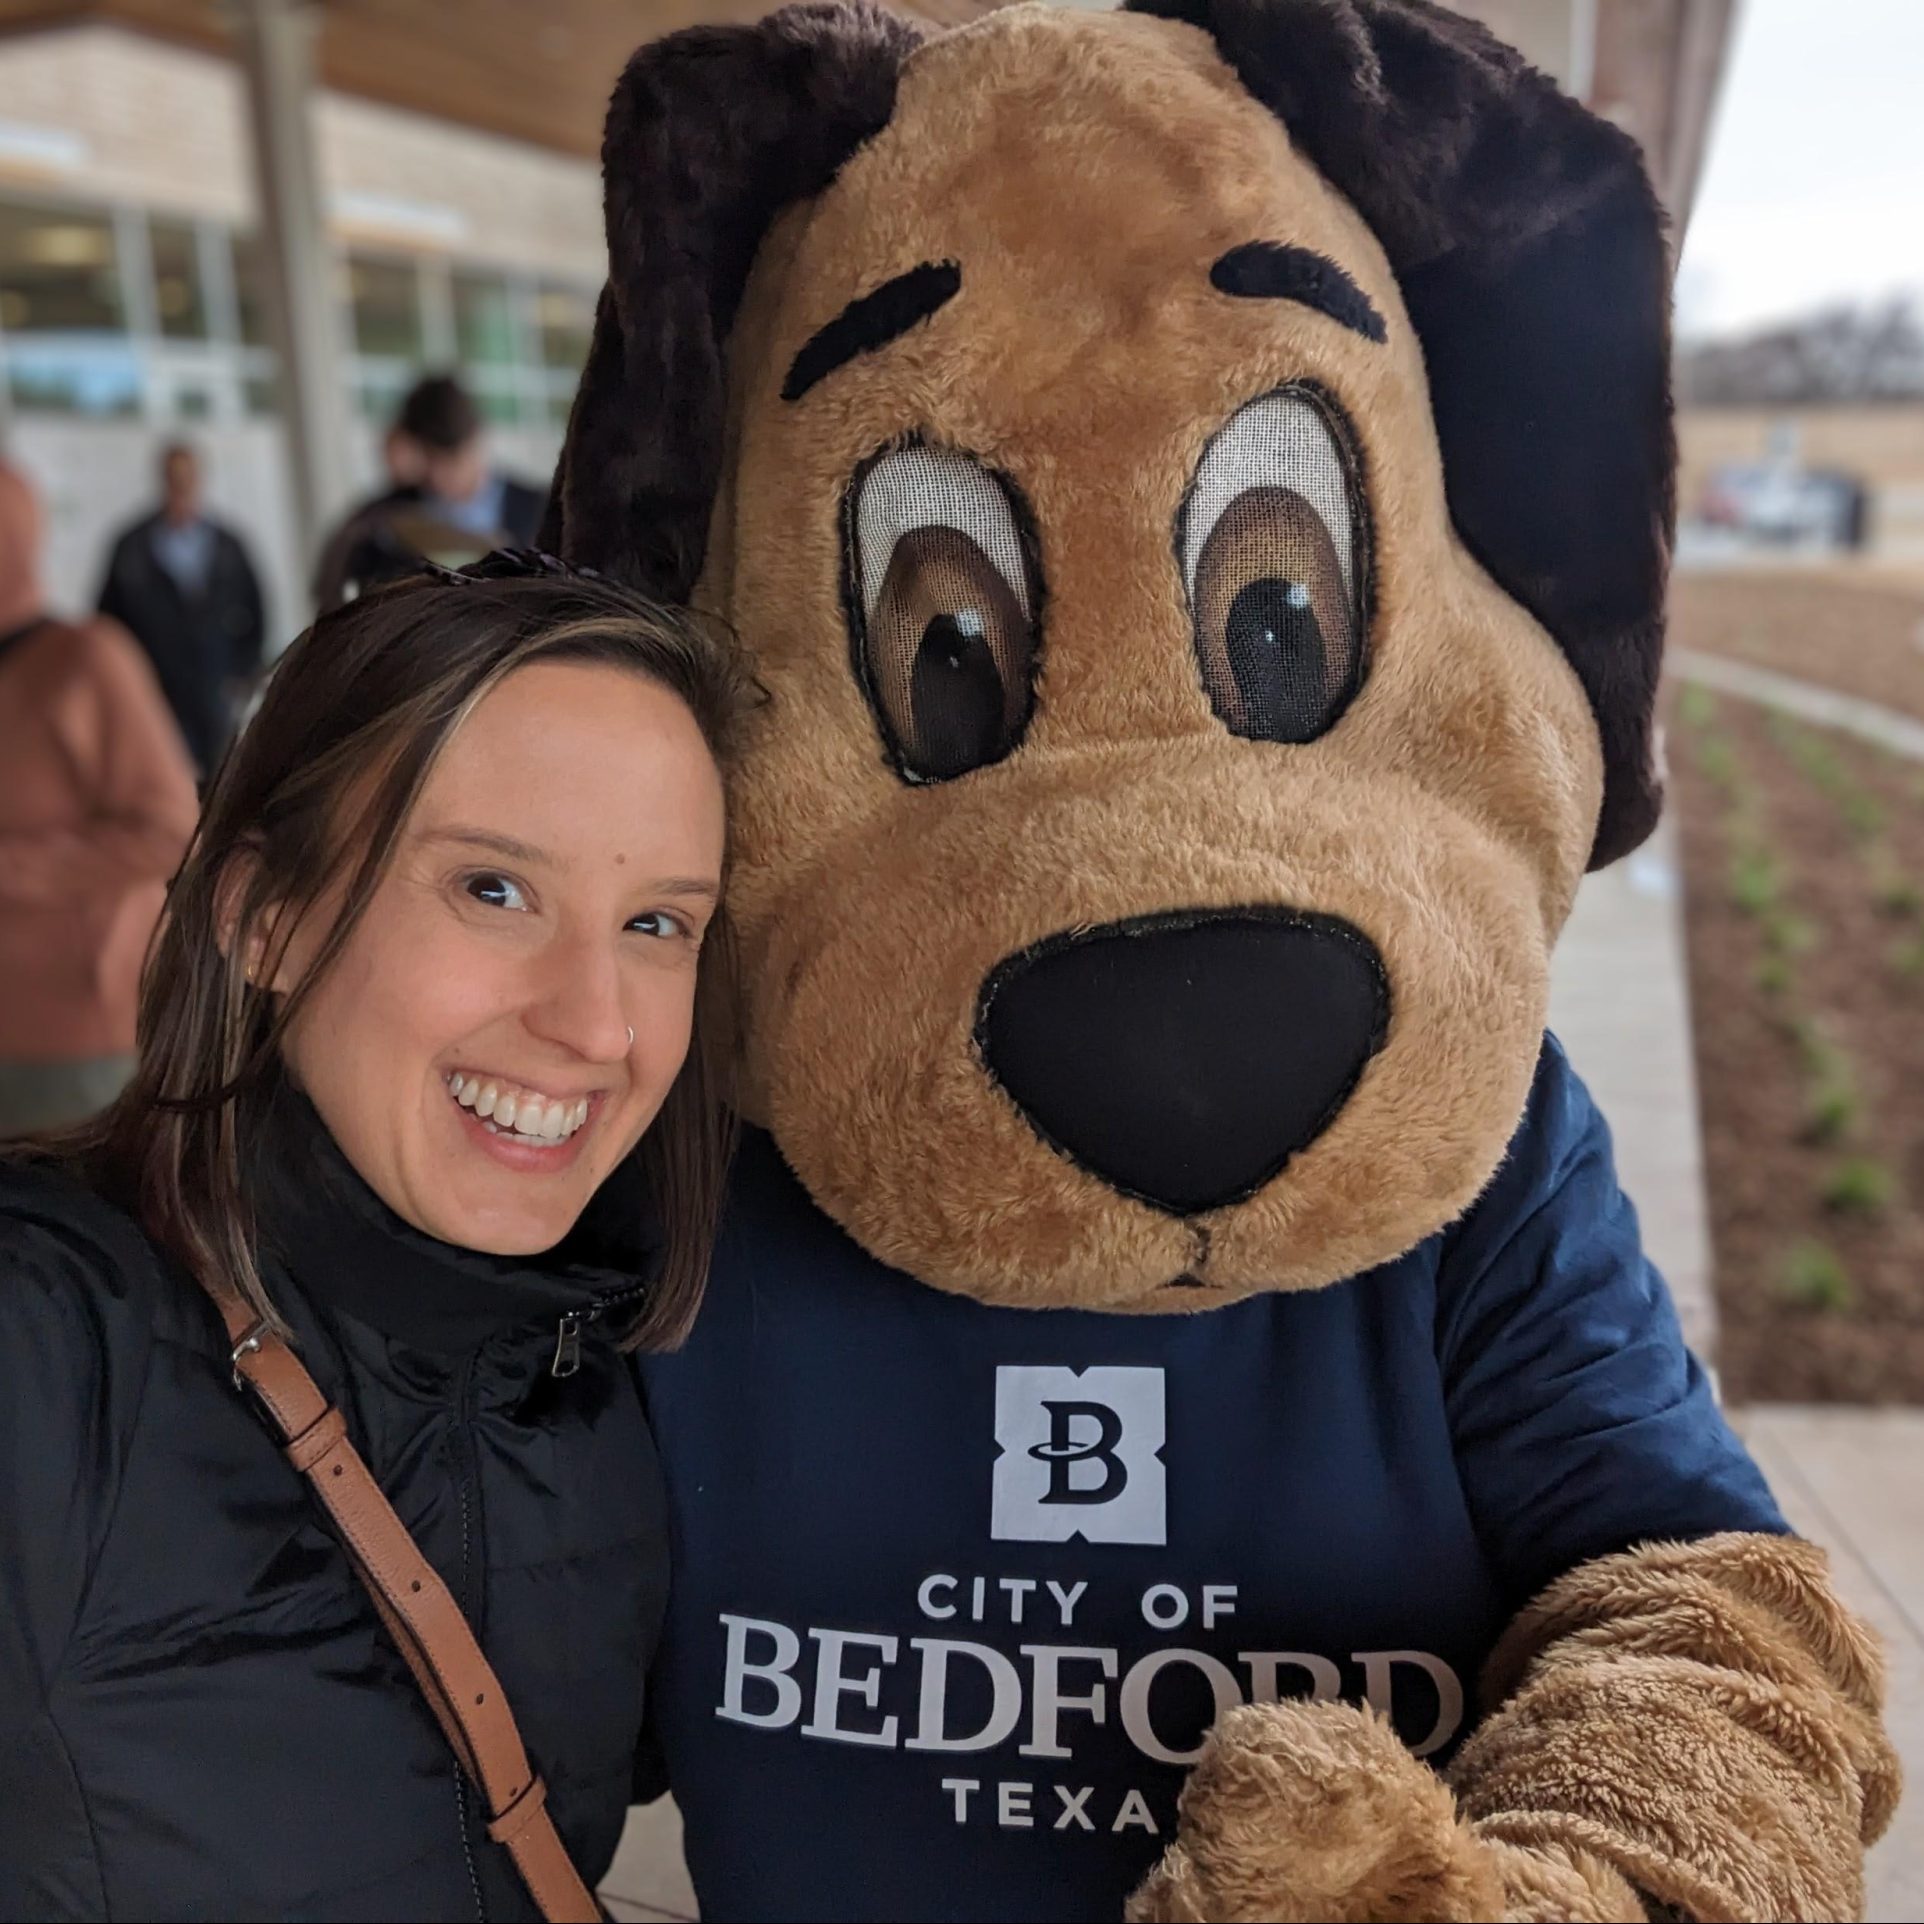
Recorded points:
(378,394)
(250,289)
(178,296)
(567,318)
(58,272)
(497,397)
(63,379)
(483,320)
(386,298)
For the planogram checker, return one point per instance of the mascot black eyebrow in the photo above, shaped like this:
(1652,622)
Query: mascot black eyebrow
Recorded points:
(1196,483)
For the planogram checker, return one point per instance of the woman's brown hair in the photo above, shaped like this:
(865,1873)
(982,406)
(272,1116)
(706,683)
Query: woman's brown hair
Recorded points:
(311,799)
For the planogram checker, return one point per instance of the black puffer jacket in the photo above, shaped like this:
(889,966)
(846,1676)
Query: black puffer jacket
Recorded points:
(199,1715)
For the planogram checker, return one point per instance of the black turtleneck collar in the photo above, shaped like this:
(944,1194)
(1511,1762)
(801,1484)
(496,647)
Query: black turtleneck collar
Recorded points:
(347,1251)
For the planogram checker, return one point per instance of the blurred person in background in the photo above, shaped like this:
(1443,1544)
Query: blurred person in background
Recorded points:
(445,500)
(186,589)
(95,813)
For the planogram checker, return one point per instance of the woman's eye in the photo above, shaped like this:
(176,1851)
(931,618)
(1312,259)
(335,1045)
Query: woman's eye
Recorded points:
(944,593)
(497,891)
(659,923)
(1275,559)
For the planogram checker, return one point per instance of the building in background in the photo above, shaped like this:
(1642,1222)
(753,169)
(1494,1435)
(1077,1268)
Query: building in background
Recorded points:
(454,144)
(132,307)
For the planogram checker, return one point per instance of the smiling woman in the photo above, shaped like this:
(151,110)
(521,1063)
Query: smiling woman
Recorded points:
(430,1102)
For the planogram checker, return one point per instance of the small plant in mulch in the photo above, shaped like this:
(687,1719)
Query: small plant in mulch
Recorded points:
(1756,881)
(1696,706)
(1895,893)
(1786,936)
(1831,1105)
(1787,933)
(1830,1109)
(1813,1277)
(1863,816)
(1907,958)
(1817,758)
(1858,1186)
(1718,759)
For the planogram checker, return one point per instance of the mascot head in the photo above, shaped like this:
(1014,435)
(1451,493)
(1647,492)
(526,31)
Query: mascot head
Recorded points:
(1196,484)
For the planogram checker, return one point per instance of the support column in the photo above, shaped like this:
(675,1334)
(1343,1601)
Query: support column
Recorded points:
(276,47)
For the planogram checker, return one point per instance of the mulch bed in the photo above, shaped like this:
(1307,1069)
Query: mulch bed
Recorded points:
(1804,869)
(1862,637)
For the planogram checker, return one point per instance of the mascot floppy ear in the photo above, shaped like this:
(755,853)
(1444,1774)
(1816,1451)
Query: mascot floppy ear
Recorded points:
(1530,252)
(710,134)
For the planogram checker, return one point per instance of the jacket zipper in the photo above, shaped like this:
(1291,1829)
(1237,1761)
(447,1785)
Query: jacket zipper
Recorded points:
(567,1344)
(564,1363)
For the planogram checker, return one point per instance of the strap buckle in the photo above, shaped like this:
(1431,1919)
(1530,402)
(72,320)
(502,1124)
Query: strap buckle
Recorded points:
(249,1345)
(521,1811)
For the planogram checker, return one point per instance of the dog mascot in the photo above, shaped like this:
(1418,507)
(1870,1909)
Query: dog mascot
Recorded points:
(1182,1419)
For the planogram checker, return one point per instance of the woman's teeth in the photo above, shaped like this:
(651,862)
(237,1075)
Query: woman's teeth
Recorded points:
(510,1111)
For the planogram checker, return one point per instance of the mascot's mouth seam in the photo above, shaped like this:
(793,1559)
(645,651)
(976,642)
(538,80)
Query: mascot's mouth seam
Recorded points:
(1189,1279)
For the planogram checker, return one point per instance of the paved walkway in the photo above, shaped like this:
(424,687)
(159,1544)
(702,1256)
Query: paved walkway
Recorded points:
(1850,1480)
(1619,1002)
(648,1878)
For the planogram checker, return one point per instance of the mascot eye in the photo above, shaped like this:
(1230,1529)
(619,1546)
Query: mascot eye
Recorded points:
(945,595)
(1274,558)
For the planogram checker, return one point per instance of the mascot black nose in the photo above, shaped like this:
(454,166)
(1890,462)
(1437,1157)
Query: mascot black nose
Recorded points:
(1185,1058)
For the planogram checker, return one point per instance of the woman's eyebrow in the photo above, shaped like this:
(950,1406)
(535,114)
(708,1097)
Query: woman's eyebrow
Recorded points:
(690,887)
(491,843)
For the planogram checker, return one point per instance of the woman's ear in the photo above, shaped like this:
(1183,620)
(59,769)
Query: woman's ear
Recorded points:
(1530,250)
(247,940)
(711,133)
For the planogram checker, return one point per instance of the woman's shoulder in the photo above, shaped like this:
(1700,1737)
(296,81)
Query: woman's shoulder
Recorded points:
(80,1281)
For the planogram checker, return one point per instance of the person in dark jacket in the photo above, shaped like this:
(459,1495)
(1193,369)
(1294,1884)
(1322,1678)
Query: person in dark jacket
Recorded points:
(445,500)
(185,586)
(431,1079)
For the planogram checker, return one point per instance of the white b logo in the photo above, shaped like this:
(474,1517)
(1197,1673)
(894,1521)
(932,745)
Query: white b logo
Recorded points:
(1079,1455)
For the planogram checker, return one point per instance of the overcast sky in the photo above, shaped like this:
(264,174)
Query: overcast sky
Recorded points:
(1813,191)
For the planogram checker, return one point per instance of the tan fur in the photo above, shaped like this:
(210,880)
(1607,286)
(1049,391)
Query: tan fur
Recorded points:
(1705,1716)
(1448,815)
(1692,1725)
(1316,1811)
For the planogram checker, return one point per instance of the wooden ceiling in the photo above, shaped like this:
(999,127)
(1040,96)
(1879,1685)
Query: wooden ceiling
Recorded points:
(535,70)
(540,70)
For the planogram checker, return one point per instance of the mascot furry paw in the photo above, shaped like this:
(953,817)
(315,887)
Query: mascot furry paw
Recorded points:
(1196,482)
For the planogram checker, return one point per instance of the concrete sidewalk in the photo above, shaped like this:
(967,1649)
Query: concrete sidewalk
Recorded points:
(1852,1480)
(1620,1005)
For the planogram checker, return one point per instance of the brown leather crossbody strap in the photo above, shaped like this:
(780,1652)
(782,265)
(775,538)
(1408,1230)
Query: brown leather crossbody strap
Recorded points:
(420,1614)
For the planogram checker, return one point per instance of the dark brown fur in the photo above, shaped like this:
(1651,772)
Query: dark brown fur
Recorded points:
(711,133)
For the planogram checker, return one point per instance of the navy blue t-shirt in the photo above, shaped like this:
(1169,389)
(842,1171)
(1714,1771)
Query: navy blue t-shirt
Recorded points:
(957,1590)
